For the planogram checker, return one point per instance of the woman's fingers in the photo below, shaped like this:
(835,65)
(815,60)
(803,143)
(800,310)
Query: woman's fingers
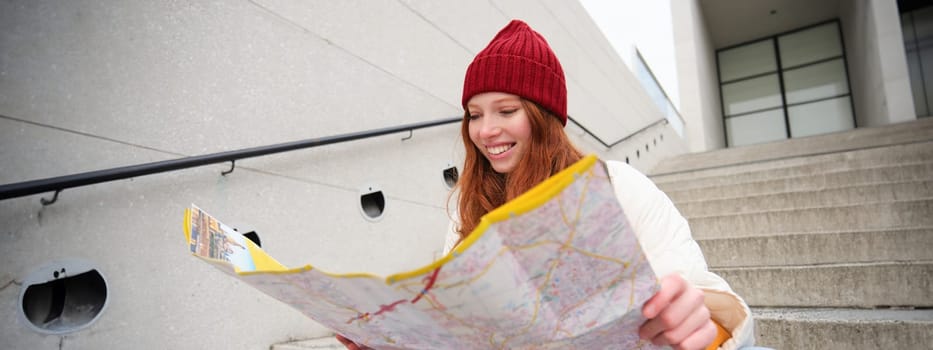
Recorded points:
(682,325)
(699,339)
(671,286)
(677,316)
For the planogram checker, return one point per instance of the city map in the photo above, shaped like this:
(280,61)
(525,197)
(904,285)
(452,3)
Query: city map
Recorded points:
(556,268)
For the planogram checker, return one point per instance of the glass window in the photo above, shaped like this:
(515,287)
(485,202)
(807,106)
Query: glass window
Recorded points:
(820,117)
(756,128)
(913,64)
(923,22)
(813,82)
(747,60)
(751,95)
(916,82)
(917,28)
(810,45)
(805,92)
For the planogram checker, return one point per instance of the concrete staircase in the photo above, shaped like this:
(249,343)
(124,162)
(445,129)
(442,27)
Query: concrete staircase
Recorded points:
(828,238)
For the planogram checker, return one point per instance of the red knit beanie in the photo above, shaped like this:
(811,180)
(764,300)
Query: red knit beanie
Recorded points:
(520,62)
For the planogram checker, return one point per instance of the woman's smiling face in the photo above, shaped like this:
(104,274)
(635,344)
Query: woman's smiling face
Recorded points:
(500,129)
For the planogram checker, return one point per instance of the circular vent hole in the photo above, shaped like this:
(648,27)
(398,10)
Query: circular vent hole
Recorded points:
(63,303)
(451,175)
(373,204)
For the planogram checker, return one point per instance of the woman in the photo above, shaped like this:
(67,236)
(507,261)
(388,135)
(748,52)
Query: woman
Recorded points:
(515,108)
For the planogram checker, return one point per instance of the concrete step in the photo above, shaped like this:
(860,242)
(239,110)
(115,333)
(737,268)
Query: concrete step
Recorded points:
(883,174)
(860,194)
(858,285)
(859,217)
(831,329)
(801,166)
(862,138)
(786,328)
(820,248)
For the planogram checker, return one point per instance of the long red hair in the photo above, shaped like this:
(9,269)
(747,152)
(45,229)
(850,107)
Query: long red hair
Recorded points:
(482,189)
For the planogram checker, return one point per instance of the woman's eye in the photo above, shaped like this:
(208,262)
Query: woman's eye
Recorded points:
(474,116)
(508,111)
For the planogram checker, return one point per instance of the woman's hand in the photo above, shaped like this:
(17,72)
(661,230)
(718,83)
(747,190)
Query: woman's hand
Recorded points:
(350,344)
(677,316)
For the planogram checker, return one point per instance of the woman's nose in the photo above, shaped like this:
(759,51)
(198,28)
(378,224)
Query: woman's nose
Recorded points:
(489,129)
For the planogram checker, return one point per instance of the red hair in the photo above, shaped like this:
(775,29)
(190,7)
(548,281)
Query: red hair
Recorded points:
(482,189)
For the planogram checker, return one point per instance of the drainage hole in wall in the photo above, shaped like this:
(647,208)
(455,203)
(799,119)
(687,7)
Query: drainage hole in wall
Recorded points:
(373,204)
(66,303)
(451,175)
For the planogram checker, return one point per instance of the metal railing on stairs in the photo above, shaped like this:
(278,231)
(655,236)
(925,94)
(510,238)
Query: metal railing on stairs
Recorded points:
(623,139)
(60,183)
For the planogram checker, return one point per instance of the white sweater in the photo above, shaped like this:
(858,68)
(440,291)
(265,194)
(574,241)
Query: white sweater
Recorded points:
(666,239)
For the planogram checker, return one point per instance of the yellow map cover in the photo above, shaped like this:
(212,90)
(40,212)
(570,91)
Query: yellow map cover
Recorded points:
(557,268)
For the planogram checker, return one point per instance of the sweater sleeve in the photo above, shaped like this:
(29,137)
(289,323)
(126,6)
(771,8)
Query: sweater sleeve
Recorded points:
(666,239)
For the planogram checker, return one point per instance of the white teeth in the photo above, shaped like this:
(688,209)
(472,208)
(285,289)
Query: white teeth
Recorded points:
(498,149)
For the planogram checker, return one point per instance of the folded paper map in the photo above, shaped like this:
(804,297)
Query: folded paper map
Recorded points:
(556,268)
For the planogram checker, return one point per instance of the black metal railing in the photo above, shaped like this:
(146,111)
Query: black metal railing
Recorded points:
(60,183)
(610,145)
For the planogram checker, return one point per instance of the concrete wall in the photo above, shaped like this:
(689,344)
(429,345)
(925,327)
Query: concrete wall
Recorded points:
(87,85)
(877,62)
(696,69)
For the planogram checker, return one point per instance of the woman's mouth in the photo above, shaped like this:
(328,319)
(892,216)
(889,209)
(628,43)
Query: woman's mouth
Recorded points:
(499,149)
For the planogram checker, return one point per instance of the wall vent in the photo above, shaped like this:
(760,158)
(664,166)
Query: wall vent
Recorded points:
(63,297)
(372,203)
(451,175)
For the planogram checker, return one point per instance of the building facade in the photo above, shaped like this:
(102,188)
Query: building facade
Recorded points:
(784,69)
(86,86)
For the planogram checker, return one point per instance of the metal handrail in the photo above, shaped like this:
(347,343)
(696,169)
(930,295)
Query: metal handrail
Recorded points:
(610,145)
(60,183)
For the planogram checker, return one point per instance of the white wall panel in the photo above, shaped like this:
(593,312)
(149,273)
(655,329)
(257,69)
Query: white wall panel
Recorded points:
(86,85)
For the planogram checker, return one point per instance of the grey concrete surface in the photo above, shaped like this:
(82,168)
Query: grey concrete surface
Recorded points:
(919,152)
(847,236)
(833,179)
(86,86)
(819,248)
(843,328)
(861,285)
(861,194)
(887,215)
(912,131)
